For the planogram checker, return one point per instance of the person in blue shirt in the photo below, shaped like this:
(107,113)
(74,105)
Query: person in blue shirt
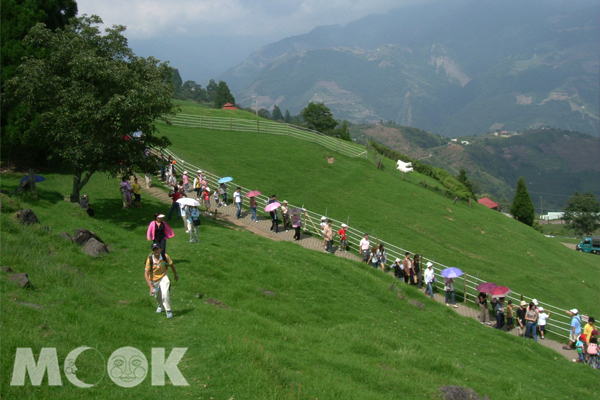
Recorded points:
(575,328)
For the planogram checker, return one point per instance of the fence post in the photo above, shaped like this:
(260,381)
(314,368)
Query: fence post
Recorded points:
(230,124)
(288,129)
(200,122)
(315,136)
(257,126)
(465,287)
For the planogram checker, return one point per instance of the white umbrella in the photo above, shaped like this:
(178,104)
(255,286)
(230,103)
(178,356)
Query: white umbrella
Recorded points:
(187,201)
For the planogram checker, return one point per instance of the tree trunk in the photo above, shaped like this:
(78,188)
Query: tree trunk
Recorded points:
(74,197)
(78,184)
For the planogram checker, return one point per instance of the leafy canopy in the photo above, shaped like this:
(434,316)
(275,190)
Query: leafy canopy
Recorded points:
(319,117)
(223,95)
(522,208)
(85,95)
(582,213)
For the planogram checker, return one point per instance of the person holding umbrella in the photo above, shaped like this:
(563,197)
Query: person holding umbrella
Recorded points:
(500,313)
(271,208)
(223,192)
(484,316)
(159,231)
(449,288)
(193,220)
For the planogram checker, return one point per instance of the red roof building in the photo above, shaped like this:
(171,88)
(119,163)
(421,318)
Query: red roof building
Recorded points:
(228,106)
(488,203)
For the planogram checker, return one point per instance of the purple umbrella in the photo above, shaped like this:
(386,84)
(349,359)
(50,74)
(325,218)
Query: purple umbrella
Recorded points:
(451,272)
(486,287)
(253,193)
(272,206)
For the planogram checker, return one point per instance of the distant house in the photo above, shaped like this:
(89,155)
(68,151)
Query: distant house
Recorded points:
(455,140)
(489,203)
(465,142)
(228,106)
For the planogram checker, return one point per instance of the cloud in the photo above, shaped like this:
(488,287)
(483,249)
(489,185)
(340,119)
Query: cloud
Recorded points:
(147,19)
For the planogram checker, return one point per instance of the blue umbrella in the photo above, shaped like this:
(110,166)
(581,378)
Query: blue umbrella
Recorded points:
(451,272)
(226,179)
(37,179)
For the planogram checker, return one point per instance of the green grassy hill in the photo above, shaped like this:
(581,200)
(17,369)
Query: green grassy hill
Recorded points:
(333,330)
(477,240)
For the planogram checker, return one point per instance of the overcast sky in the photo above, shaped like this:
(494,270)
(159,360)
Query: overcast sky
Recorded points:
(202,38)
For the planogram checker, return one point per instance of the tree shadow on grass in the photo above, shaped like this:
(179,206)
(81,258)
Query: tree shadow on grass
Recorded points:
(111,210)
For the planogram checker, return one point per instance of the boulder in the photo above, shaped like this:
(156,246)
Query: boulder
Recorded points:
(95,248)
(459,393)
(22,279)
(27,217)
(65,235)
(81,236)
(417,303)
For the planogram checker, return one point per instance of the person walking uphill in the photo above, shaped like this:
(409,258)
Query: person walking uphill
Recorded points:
(328,235)
(429,279)
(575,328)
(484,316)
(159,231)
(158,280)
(237,199)
(365,248)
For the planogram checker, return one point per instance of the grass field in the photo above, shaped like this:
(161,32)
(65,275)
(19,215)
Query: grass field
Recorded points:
(333,330)
(477,240)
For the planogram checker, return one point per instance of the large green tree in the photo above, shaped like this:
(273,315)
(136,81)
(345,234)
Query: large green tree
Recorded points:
(223,95)
(319,117)
(522,208)
(582,213)
(277,115)
(85,95)
(18,17)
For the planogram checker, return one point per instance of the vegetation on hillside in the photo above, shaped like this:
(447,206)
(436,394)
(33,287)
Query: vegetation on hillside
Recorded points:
(83,95)
(522,207)
(297,323)
(453,186)
(582,213)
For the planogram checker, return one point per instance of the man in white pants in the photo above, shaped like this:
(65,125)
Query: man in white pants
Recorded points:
(158,280)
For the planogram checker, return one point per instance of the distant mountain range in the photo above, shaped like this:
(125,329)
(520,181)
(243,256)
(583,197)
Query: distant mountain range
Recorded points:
(554,162)
(453,68)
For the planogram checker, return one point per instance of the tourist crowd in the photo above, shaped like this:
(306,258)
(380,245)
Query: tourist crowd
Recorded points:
(529,319)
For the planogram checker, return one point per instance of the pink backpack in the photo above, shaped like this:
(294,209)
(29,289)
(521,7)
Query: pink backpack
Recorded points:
(592,348)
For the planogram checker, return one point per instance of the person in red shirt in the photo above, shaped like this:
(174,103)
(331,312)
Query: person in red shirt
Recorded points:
(343,239)
(175,195)
(206,198)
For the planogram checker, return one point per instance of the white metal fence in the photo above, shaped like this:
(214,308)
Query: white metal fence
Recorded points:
(464,287)
(274,128)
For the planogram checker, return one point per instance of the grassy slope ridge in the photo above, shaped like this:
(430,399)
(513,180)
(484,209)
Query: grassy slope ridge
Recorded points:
(334,330)
(474,239)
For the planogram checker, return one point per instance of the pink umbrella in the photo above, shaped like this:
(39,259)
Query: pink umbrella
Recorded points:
(272,206)
(253,193)
(486,287)
(501,291)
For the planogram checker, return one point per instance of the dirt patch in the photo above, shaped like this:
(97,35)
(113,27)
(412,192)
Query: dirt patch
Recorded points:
(570,245)
(450,218)
(330,160)
(216,303)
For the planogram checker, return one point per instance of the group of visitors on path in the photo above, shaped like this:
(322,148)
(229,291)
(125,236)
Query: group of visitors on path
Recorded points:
(530,318)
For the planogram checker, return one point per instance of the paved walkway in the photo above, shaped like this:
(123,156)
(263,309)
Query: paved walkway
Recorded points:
(262,228)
